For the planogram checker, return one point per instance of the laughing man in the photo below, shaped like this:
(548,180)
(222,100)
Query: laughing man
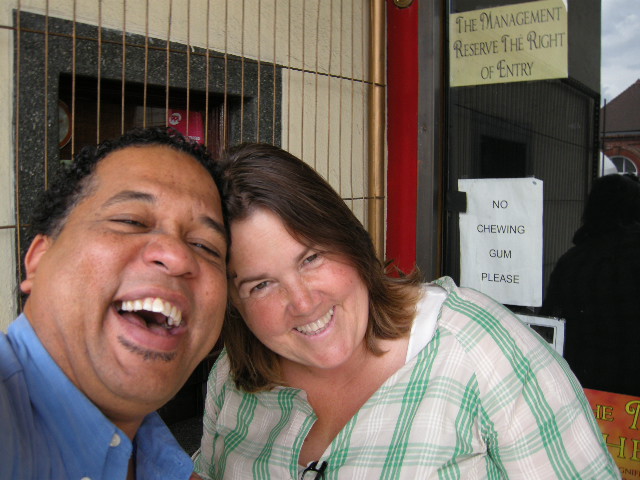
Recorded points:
(126,287)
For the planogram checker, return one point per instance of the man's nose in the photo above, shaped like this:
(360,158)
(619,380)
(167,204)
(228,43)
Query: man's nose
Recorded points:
(171,254)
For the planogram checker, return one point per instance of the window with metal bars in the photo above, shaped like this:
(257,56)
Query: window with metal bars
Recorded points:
(95,87)
(295,74)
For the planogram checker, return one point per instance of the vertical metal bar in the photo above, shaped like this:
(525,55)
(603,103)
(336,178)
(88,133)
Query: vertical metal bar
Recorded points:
(168,79)
(206,85)
(364,22)
(376,127)
(99,79)
(302,77)
(315,122)
(225,107)
(124,66)
(275,71)
(145,84)
(188,64)
(17,149)
(259,72)
(46,96)
(353,120)
(329,90)
(340,82)
(289,77)
(73,84)
(242,75)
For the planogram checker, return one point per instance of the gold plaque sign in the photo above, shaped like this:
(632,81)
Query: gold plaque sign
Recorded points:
(516,43)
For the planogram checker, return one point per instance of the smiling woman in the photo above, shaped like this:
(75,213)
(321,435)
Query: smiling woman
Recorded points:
(307,305)
(334,368)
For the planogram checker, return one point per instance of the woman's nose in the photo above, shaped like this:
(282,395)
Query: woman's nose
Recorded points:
(300,298)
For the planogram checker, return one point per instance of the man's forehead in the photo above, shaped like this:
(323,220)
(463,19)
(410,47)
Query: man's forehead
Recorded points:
(155,164)
(136,155)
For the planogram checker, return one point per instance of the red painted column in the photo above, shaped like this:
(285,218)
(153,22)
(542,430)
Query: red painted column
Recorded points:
(402,134)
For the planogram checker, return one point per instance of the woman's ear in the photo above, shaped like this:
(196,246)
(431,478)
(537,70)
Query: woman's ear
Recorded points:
(39,246)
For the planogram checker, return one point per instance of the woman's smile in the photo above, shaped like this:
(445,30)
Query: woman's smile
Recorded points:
(318,326)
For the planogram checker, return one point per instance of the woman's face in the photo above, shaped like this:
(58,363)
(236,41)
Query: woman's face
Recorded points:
(309,307)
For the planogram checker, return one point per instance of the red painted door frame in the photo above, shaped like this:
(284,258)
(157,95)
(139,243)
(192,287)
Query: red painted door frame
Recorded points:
(402,134)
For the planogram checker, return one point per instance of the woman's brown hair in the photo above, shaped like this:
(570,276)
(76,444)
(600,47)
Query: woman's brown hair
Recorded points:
(264,176)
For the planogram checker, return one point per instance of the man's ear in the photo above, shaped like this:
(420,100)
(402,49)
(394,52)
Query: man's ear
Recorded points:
(37,249)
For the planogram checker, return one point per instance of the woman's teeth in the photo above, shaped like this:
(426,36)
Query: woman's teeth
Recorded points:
(156,305)
(316,327)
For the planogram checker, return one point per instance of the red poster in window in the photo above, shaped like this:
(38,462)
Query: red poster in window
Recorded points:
(190,126)
(619,419)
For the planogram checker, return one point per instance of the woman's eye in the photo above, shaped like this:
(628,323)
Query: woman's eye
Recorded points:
(311,258)
(259,286)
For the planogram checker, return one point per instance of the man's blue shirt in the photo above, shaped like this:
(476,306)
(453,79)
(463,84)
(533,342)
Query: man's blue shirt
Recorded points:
(49,429)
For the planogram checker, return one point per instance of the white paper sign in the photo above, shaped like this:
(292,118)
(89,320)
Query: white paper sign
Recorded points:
(501,239)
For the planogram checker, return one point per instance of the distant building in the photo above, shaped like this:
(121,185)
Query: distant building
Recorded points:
(620,127)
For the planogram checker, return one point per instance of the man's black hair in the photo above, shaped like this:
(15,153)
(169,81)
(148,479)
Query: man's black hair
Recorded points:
(73,183)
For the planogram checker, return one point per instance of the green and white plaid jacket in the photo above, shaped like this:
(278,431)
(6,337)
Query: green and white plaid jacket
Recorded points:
(485,399)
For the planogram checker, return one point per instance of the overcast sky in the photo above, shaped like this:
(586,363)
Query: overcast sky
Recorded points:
(620,46)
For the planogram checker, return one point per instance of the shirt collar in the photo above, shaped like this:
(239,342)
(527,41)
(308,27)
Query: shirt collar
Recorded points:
(81,427)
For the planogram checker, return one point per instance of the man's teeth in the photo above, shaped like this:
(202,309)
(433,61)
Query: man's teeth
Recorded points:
(315,327)
(158,305)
